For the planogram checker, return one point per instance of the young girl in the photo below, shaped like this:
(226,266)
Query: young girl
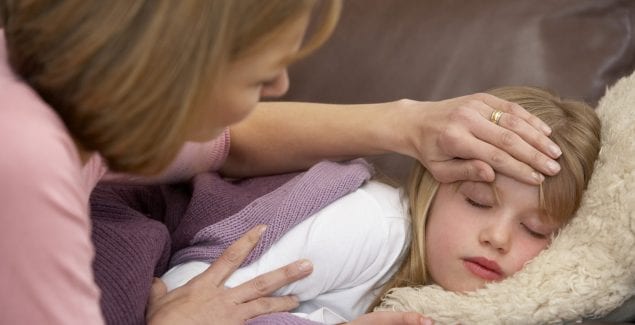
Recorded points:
(460,235)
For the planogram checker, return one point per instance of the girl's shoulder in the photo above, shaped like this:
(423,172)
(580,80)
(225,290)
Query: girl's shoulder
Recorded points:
(391,200)
(364,232)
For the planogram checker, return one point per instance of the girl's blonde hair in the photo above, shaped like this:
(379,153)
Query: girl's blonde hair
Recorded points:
(128,77)
(575,128)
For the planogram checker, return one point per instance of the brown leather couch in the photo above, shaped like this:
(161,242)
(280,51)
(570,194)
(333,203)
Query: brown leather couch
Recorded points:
(430,50)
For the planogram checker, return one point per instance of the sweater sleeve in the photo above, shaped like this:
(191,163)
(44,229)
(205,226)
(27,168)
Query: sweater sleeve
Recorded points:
(194,158)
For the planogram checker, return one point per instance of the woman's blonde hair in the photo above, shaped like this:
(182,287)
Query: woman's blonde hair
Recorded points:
(575,128)
(128,77)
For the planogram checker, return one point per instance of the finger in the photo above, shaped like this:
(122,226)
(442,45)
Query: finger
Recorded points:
(268,305)
(230,260)
(453,170)
(523,155)
(157,291)
(530,135)
(392,317)
(511,142)
(460,144)
(515,109)
(412,318)
(265,284)
(475,149)
(530,128)
(514,145)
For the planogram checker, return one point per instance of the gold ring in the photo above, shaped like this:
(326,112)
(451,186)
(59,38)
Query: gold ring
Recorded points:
(496,117)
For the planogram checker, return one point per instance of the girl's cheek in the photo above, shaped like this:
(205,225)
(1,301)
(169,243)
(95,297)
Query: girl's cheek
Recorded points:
(528,249)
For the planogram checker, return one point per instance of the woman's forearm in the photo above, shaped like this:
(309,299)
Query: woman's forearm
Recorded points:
(287,136)
(454,139)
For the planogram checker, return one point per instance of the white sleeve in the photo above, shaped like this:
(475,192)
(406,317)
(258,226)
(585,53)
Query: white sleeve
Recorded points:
(354,244)
(344,242)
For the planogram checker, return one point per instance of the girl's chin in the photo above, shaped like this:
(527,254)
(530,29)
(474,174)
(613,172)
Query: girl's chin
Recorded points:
(463,285)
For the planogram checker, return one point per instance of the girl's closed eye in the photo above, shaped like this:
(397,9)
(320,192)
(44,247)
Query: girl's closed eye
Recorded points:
(478,195)
(537,227)
(476,204)
(534,233)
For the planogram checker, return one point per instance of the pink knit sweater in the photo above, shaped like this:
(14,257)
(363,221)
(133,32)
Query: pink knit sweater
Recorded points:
(45,246)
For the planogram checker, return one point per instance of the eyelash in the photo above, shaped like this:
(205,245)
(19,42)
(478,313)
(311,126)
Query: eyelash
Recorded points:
(533,233)
(476,204)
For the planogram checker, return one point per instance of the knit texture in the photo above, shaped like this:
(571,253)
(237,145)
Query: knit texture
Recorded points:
(136,227)
(588,270)
(284,207)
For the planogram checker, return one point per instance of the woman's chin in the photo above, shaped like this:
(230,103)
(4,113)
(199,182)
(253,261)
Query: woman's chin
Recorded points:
(204,136)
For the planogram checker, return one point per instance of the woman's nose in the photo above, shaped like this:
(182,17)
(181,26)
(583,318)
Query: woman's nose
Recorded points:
(497,235)
(276,87)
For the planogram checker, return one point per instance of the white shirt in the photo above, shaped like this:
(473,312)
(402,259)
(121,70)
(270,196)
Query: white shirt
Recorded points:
(355,244)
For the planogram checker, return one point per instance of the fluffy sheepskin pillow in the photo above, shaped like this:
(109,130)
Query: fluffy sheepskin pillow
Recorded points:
(588,270)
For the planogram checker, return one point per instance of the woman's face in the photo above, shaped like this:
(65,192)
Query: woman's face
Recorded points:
(262,74)
(473,238)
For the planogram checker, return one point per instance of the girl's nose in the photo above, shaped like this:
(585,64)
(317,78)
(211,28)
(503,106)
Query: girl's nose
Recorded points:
(497,235)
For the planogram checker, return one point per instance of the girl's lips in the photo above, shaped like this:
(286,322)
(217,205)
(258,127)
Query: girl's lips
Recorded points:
(484,268)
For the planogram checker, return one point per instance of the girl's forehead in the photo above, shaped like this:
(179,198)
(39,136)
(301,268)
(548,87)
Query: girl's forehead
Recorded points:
(505,190)
(511,189)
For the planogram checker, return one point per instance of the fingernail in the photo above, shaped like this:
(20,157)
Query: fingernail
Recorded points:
(426,321)
(555,150)
(486,176)
(538,177)
(553,166)
(546,129)
(261,229)
(305,265)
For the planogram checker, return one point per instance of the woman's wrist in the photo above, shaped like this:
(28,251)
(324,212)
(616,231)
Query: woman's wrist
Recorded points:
(400,128)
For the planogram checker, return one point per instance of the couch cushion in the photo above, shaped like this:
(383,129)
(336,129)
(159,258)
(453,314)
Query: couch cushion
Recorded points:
(430,50)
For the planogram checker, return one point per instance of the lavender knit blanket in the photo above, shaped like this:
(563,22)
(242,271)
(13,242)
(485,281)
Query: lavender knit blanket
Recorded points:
(138,229)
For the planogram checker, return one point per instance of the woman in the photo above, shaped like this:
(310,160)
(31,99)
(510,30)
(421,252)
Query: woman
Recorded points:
(125,84)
